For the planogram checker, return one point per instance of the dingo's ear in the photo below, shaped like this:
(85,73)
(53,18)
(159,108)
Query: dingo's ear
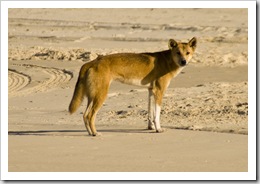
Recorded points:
(193,42)
(172,43)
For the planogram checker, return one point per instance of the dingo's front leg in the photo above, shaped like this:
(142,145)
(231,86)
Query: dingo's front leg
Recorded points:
(158,91)
(157,118)
(150,110)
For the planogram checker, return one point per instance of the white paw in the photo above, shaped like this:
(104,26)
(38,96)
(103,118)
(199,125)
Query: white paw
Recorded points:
(160,130)
(97,134)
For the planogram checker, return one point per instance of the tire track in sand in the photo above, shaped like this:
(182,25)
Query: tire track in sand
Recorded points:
(17,81)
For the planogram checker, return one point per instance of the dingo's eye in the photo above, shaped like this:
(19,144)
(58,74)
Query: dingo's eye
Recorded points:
(179,53)
(188,53)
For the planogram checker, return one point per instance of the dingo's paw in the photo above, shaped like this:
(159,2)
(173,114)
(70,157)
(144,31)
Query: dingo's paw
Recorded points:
(161,130)
(151,127)
(97,134)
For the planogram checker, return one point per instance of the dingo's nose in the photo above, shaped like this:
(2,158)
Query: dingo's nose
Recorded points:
(183,62)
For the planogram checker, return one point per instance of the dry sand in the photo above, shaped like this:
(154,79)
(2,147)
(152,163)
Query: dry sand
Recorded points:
(205,109)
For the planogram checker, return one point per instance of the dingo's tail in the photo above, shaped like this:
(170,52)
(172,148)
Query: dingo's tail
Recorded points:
(77,96)
(80,90)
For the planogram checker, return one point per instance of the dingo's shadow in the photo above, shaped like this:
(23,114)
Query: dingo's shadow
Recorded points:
(127,130)
(74,132)
(47,132)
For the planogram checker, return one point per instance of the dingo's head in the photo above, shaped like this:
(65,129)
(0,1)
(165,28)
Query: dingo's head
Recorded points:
(182,52)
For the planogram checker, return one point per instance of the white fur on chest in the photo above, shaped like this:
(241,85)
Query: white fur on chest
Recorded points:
(135,82)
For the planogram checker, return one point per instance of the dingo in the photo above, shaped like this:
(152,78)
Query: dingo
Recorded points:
(151,70)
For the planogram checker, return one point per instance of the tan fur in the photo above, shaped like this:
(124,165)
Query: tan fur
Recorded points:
(151,70)
(79,92)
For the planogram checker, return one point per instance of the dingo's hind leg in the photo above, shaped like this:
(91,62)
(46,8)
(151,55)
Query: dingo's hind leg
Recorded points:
(96,98)
(86,121)
(92,115)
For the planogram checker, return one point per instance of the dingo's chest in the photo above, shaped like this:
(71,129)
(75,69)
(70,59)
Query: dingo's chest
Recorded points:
(135,82)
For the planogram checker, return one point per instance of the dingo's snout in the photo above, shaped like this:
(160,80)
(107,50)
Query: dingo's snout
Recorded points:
(183,62)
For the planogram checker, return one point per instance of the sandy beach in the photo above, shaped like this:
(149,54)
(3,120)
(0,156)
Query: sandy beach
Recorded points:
(204,112)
